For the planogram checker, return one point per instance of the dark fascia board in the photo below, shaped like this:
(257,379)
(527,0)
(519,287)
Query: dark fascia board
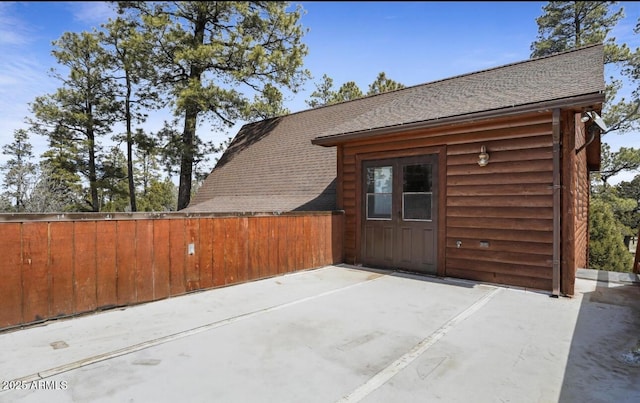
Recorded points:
(582,101)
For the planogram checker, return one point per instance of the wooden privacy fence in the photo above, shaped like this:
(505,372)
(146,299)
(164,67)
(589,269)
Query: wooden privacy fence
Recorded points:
(636,262)
(52,268)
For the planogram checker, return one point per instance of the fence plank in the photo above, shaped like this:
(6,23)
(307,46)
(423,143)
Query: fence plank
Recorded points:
(307,244)
(262,247)
(192,261)
(337,236)
(61,244)
(178,253)
(291,247)
(265,243)
(241,241)
(218,238)
(205,256)
(325,250)
(11,272)
(161,259)
(144,279)
(84,264)
(230,250)
(299,243)
(126,262)
(283,237)
(107,291)
(318,240)
(35,280)
(273,245)
(253,239)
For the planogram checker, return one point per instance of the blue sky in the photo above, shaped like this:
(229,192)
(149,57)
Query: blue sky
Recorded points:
(412,42)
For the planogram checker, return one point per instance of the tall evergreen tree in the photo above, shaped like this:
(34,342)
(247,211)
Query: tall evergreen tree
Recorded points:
(630,191)
(347,92)
(147,166)
(59,173)
(54,190)
(567,25)
(267,104)
(607,250)
(82,111)
(627,115)
(5,203)
(19,169)
(130,51)
(208,53)
(161,195)
(323,94)
(383,84)
(626,159)
(112,180)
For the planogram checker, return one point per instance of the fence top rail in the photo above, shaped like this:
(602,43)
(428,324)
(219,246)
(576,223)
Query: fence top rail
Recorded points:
(119,216)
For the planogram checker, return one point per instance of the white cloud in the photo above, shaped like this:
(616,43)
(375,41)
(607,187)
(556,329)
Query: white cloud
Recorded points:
(90,12)
(13,31)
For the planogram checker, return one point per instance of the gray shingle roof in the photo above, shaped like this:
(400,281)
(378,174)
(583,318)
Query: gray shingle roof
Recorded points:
(529,82)
(272,165)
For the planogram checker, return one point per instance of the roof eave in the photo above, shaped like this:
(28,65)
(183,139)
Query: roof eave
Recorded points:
(587,100)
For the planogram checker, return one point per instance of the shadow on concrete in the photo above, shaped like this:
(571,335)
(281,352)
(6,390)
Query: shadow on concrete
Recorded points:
(604,358)
(415,276)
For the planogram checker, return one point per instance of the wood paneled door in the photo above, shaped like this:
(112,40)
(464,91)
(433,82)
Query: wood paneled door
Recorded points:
(400,212)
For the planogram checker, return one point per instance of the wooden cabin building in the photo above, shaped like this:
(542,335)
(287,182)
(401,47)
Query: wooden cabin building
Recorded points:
(483,176)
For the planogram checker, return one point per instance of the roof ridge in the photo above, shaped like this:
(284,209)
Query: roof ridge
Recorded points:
(558,54)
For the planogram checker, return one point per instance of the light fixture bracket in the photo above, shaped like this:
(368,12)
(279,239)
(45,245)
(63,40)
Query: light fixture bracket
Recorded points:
(483,158)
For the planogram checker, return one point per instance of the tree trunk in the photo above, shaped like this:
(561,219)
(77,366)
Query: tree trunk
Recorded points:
(636,262)
(132,185)
(93,178)
(186,160)
(190,120)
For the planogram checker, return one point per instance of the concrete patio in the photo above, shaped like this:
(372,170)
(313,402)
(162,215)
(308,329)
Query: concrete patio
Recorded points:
(341,333)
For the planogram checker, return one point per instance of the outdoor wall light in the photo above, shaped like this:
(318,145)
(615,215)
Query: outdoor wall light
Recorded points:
(585,117)
(483,158)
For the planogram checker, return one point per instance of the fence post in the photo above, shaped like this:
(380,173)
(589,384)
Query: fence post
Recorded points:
(636,262)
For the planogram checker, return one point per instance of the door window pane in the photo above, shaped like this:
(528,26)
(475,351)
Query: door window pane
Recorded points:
(417,178)
(417,192)
(379,191)
(416,206)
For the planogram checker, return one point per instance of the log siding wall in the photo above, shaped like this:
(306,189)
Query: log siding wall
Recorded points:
(583,189)
(575,201)
(502,213)
(55,269)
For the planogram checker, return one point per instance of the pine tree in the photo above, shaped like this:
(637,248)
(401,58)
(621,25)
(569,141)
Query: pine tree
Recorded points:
(567,25)
(323,94)
(130,54)
(383,84)
(607,250)
(347,92)
(209,55)
(18,170)
(82,111)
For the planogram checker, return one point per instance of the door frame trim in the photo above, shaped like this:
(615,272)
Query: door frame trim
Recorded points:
(441,157)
